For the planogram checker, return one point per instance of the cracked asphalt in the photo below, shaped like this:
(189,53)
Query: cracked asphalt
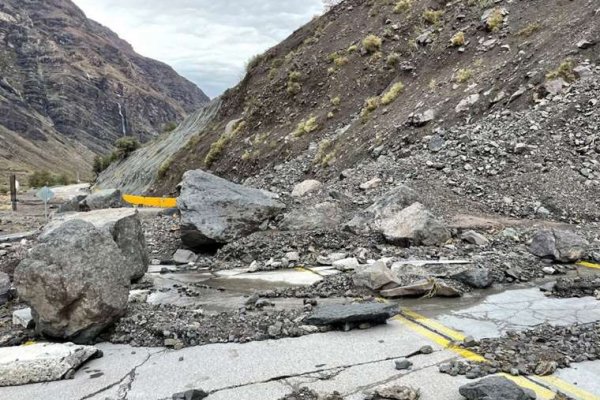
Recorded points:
(352,363)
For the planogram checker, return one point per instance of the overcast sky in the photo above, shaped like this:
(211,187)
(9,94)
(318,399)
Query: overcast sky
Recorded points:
(207,41)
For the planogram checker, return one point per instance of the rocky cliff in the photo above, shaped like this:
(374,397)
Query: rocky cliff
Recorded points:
(69,87)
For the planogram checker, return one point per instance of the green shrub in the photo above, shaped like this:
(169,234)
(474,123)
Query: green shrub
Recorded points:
(125,146)
(217,147)
(370,105)
(170,127)
(463,75)
(496,20)
(564,71)
(44,178)
(392,60)
(391,95)
(372,43)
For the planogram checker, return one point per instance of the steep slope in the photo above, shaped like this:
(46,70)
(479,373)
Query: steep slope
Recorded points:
(314,86)
(70,87)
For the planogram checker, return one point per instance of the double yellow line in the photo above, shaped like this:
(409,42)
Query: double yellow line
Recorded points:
(445,337)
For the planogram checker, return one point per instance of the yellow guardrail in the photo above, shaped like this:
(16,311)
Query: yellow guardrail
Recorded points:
(158,202)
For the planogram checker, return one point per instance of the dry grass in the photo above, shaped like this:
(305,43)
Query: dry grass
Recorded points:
(530,29)
(304,127)
(372,43)
(458,39)
(564,71)
(495,21)
(391,95)
(432,17)
(463,75)
(402,6)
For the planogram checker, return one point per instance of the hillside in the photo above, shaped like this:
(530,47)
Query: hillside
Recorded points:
(489,94)
(69,87)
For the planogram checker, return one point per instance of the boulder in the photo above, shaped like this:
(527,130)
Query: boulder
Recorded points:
(192,394)
(74,282)
(385,207)
(559,245)
(339,314)
(374,276)
(466,103)
(306,187)
(183,256)
(475,238)
(478,278)
(414,226)
(107,198)
(321,216)
(23,318)
(495,388)
(4,287)
(397,392)
(372,184)
(41,362)
(73,205)
(458,270)
(124,226)
(215,211)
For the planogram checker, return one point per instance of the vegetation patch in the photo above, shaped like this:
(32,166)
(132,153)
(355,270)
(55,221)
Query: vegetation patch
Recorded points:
(392,60)
(402,6)
(372,43)
(123,148)
(458,39)
(370,105)
(306,126)
(293,86)
(217,147)
(433,17)
(44,178)
(325,153)
(495,21)
(463,75)
(391,95)
(564,71)
(530,29)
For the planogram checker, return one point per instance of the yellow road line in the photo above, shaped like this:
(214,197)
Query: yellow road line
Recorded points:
(589,264)
(439,334)
(567,388)
(159,202)
(436,326)
(310,271)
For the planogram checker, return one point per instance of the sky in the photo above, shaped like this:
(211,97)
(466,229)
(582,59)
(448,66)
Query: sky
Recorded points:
(207,41)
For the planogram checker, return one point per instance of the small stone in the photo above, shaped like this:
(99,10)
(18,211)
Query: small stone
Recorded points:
(475,238)
(403,364)
(183,256)
(372,184)
(306,187)
(586,44)
(549,270)
(192,394)
(23,318)
(426,350)
(293,256)
(469,341)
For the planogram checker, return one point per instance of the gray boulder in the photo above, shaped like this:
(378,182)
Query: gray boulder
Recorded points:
(374,276)
(73,205)
(305,187)
(183,256)
(4,288)
(479,278)
(475,238)
(74,282)
(384,208)
(321,216)
(414,226)
(559,245)
(124,226)
(41,362)
(216,211)
(495,388)
(338,314)
(107,198)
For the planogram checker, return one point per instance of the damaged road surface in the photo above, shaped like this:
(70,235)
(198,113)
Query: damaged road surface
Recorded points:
(354,363)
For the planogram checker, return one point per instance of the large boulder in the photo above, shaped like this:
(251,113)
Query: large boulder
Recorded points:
(216,211)
(559,245)
(107,198)
(123,225)
(321,216)
(414,226)
(374,276)
(495,388)
(41,362)
(385,207)
(305,187)
(74,282)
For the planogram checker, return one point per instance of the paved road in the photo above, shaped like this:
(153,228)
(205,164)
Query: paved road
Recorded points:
(352,362)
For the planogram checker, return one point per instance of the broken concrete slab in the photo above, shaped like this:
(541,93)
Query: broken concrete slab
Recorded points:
(495,388)
(41,362)
(374,276)
(339,314)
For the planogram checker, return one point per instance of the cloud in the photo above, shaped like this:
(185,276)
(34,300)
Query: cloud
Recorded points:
(207,41)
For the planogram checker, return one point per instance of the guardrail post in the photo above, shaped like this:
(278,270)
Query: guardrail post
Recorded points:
(13,191)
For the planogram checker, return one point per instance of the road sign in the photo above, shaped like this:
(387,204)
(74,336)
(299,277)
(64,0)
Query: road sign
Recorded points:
(46,195)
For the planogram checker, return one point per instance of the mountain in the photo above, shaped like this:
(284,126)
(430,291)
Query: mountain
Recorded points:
(69,87)
(489,106)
